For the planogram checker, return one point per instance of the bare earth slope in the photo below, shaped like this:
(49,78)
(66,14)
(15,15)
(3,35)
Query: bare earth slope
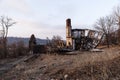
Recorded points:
(77,66)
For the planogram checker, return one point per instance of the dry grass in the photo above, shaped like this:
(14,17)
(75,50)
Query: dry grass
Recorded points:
(82,66)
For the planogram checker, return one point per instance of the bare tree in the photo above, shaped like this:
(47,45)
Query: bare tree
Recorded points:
(116,14)
(55,44)
(57,41)
(5,23)
(106,25)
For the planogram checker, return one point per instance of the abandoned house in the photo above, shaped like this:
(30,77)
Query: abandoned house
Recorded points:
(79,39)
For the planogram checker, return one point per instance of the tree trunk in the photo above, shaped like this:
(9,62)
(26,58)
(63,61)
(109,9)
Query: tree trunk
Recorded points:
(5,47)
(118,35)
(107,40)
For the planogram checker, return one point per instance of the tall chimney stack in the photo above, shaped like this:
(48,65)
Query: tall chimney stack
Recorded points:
(68,27)
(68,22)
(68,32)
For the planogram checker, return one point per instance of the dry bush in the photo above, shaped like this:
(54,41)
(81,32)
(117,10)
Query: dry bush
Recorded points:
(21,49)
(103,70)
(1,51)
(17,49)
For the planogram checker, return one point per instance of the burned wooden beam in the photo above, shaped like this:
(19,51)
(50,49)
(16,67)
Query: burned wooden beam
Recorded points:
(86,39)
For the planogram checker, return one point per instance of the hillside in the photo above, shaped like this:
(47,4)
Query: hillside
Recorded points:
(80,65)
(12,40)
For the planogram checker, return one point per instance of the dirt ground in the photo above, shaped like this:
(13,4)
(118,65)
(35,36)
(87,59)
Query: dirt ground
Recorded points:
(78,65)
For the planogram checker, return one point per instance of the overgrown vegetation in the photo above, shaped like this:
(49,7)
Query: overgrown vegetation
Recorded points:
(17,49)
(110,25)
(82,66)
(55,44)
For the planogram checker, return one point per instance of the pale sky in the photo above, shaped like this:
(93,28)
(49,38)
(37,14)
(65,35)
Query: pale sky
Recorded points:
(46,18)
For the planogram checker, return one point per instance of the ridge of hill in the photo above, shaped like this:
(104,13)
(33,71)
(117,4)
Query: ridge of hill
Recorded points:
(12,40)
